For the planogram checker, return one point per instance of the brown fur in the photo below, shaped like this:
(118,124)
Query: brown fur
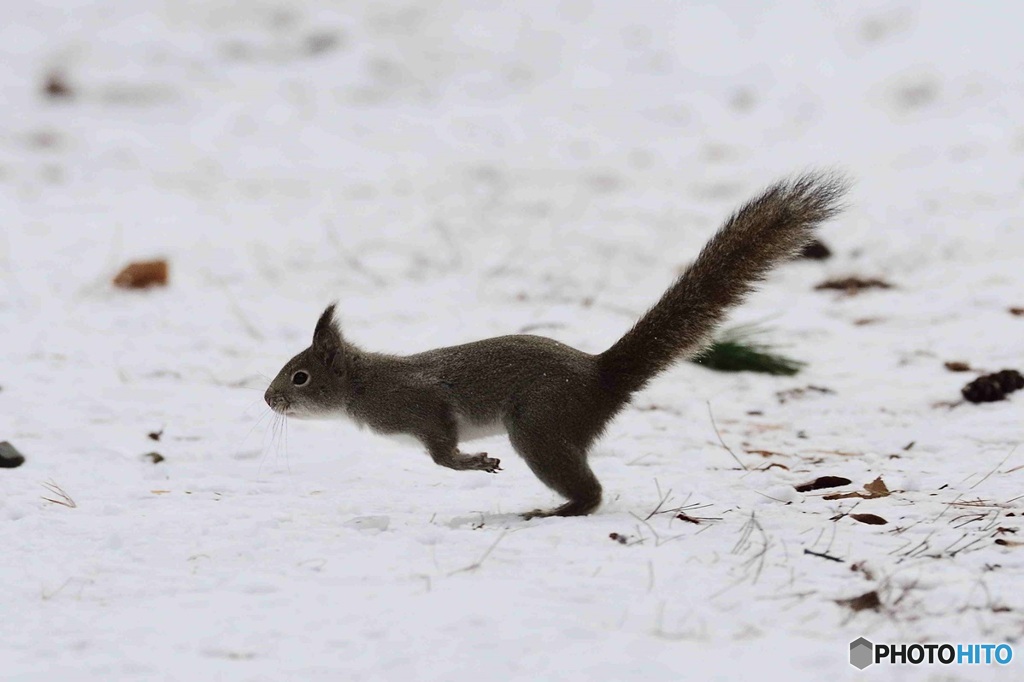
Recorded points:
(553,401)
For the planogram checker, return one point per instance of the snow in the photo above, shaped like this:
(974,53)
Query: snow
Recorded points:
(450,171)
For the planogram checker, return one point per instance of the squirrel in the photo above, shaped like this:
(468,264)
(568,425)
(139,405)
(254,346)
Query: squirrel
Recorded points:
(552,400)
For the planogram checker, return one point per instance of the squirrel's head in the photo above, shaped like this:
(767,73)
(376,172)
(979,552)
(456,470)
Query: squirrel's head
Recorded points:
(313,384)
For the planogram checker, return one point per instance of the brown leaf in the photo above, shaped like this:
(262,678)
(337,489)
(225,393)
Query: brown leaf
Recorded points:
(868,600)
(877,488)
(956,366)
(874,489)
(142,274)
(1009,543)
(1017,311)
(853,285)
(870,519)
(55,86)
(845,496)
(823,482)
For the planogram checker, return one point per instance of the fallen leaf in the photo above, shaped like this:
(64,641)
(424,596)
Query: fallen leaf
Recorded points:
(868,600)
(853,285)
(870,519)
(823,482)
(876,488)
(142,274)
(55,86)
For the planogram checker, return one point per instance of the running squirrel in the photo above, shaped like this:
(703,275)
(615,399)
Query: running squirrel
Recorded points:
(552,400)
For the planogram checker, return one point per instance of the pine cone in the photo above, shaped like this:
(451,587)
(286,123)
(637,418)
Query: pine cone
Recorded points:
(984,389)
(989,388)
(1010,379)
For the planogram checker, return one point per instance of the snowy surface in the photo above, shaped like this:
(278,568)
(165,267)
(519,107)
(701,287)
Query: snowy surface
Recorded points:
(449,171)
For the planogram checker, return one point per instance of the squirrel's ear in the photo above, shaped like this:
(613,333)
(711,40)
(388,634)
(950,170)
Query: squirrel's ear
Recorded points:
(326,337)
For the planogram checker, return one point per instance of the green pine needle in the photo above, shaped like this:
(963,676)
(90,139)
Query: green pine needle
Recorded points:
(733,352)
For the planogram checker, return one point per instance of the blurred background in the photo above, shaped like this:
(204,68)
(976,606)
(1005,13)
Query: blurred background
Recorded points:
(474,167)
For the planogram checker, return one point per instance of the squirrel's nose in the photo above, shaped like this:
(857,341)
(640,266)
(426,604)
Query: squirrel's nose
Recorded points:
(276,401)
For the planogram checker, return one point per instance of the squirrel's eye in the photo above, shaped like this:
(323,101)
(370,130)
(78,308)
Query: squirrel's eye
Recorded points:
(300,378)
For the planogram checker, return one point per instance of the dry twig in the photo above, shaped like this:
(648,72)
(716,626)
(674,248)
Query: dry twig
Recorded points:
(63,498)
(717,433)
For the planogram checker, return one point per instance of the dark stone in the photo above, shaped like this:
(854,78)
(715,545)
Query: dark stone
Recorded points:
(10,457)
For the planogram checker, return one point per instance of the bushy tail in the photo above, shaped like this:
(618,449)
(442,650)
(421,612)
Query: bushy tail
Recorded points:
(766,231)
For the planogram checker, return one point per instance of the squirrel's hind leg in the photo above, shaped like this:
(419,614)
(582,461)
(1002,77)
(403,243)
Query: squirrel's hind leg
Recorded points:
(573,508)
(560,466)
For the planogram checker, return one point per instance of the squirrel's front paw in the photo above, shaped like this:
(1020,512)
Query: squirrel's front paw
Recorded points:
(460,461)
(484,463)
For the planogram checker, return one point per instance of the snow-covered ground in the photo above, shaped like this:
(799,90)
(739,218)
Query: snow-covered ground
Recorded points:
(454,170)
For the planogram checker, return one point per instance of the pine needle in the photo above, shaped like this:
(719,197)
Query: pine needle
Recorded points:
(735,352)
